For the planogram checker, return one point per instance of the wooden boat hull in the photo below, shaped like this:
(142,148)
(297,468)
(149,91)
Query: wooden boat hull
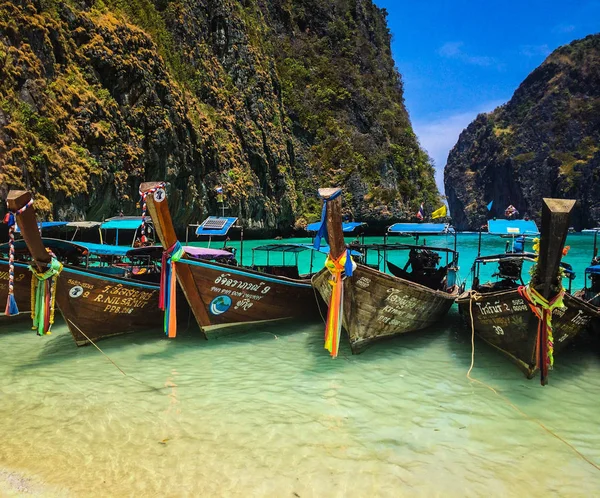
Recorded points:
(504,320)
(377,305)
(235,296)
(96,306)
(22,291)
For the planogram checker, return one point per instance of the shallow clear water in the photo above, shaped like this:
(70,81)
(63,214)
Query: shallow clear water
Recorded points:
(266,412)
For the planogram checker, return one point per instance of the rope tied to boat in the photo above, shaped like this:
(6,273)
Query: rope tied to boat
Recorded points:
(542,308)
(10,220)
(339,268)
(167,300)
(43,296)
(143,195)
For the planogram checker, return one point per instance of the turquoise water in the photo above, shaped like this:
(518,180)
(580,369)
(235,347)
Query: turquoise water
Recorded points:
(266,412)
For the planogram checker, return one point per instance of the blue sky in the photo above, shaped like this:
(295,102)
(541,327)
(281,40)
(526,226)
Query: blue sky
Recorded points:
(460,58)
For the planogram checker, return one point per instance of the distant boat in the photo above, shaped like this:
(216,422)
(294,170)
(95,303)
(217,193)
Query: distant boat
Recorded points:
(375,304)
(503,313)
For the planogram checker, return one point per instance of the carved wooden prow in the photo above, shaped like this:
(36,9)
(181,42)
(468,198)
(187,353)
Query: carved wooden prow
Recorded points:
(27,222)
(158,207)
(555,226)
(337,245)
(160,214)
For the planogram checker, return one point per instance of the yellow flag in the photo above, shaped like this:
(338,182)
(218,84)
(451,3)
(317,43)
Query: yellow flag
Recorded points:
(439,213)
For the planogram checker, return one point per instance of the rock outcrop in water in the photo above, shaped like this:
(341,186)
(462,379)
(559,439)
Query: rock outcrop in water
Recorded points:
(545,142)
(269,99)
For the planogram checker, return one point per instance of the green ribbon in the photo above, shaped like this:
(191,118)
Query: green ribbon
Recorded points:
(39,311)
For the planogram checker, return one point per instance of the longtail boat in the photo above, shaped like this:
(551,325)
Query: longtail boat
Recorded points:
(94,305)
(371,304)
(531,322)
(225,295)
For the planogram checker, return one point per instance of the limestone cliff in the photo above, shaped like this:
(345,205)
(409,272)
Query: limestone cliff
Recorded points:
(268,99)
(545,142)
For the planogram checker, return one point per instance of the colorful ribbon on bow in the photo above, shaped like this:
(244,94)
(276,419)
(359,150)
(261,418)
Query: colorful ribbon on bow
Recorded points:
(43,296)
(322,232)
(542,308)
(167,300)
(10,220)
(339,268)
(143,238)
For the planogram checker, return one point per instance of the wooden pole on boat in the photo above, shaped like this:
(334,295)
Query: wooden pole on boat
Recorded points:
(555,226)
(337,245)
(158,208)
(17,199)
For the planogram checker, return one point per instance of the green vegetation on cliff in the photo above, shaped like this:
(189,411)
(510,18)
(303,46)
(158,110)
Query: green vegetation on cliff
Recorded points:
(269,99)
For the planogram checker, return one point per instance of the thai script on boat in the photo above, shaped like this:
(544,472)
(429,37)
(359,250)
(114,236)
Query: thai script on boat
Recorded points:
(224,279)
(519,305)
(580,318)
(491,309)
(363,282)
(122,300)
(400,300)
(18,276)
(120,290)
(243,304)
(85,285)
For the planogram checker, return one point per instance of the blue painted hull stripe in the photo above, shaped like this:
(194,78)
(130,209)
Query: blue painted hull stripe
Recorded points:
(124,281)
(243,273)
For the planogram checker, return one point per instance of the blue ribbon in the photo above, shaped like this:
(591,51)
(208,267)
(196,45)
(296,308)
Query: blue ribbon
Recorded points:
(348,269)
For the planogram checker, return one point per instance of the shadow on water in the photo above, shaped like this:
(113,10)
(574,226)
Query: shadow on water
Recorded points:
(499,372)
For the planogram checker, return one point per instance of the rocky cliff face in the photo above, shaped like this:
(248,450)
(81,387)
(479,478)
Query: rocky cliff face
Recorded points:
(268,99)
(545,142)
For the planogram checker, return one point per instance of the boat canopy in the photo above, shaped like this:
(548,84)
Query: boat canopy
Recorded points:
(58,246)
(512,227)
(593,270)
(347,227)
(207,253)
(215,226)
(83,224)
(421,228)
(123,223)
(105,249)
(46,224)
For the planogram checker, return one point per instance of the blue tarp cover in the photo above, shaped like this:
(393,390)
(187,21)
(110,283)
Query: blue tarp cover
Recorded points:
(346,227)
(420,228)
(215,226)
(593,269)
(123,223)
(512,227)
(46,224)
(105,249)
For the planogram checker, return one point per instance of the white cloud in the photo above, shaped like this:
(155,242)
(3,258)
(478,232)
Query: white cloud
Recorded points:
(438,135)
(563,28)
(535,50)
(454,50)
